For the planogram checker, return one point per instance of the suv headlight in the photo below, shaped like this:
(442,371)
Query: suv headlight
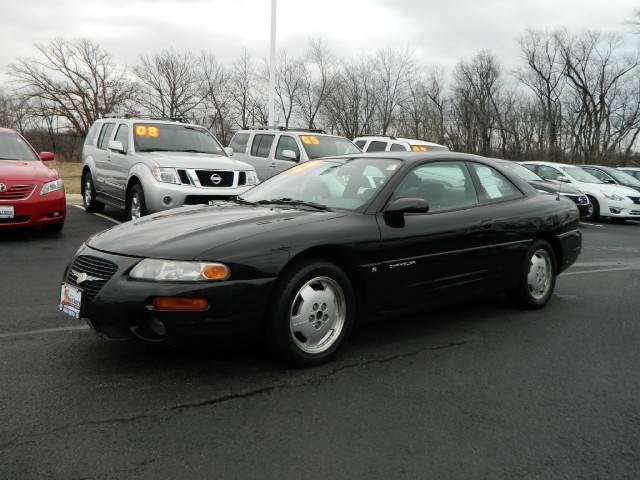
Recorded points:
(165,175)
(52,186)
(252,178)
(614,197)
(174,271)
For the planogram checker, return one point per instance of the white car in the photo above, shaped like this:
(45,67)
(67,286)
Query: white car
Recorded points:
(633,171)
(608,200)
(384,143)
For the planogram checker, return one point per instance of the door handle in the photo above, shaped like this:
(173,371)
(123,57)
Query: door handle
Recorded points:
(273,165)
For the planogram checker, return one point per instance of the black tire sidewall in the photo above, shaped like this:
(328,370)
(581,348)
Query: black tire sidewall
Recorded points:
(279,333)
(596,208)
(137,189)
(523,295)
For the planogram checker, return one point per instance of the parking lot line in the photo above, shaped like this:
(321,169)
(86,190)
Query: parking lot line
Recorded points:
(43,330)
(591,224)
(100,215)
(599,270)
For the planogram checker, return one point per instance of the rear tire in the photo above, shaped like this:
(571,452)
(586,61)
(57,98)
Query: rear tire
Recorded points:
(313,313)
(88,191)
(538,278)
(136,205)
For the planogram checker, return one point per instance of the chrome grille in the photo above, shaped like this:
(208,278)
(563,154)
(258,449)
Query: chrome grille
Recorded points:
(98,270)
(225,178)
(16,192)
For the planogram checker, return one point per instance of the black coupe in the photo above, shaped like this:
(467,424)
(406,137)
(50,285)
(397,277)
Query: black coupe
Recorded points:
(299,258)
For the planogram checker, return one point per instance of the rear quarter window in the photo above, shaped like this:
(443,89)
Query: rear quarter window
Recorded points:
(92,135)
(377,146)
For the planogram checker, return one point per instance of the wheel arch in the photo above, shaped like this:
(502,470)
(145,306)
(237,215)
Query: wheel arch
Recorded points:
(556,246)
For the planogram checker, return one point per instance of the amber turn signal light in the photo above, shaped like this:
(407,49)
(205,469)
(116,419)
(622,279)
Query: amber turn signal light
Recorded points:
(215,271)
(180,304)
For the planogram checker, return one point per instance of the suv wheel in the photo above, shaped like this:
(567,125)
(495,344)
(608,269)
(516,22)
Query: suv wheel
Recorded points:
(136,205)
(89,195)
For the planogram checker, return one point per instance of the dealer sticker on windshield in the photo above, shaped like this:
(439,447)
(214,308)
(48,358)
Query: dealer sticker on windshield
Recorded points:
(70,300)
(6,211)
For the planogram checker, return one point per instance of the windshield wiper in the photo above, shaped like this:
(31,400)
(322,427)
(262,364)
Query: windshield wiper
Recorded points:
(196,151)
(153,150)
(242,201)
(292,202)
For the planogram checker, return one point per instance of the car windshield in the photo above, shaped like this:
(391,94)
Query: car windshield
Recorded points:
(13,147)
(523,172)
(347,184)
(319,146)
(623,177)
(163,137)
(581,175)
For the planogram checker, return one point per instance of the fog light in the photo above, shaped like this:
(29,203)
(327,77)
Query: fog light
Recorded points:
(157,327)
(53,214)
(615,210)
(166,200)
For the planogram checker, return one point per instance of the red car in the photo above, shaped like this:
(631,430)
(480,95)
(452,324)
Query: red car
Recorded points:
(31,194)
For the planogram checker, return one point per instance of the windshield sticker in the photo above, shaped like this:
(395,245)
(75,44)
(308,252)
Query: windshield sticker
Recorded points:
(145,131)
(309,140)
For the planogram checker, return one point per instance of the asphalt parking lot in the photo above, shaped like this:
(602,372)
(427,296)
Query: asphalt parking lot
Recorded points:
(479,390)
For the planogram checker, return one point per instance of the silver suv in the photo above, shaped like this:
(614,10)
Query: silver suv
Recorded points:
(273,150)
(148,165)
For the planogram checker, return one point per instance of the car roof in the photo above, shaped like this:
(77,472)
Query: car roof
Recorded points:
(415,157)
(551,164)
(629,168)
(385,138)
(146,120)
(7,130)
(289,131)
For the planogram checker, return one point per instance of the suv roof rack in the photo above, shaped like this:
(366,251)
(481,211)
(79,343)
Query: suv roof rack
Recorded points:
(392,137)
(143,117)
(285,129)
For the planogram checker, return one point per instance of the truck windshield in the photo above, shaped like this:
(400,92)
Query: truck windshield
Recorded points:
(319,146)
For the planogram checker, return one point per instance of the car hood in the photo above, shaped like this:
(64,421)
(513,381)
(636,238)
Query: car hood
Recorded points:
(554,187)
(195,160)
(188,232)
(31,171)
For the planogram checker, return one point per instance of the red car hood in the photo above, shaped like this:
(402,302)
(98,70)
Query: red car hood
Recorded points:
(32,171)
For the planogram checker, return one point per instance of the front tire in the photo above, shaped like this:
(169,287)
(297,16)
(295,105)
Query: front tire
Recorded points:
(88,191)
(595,215)
(136,205)
(538,277)
(313,313)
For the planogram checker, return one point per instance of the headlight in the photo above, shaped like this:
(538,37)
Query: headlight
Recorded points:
(614,197)
(173,271)
(252,178)
(52,186)
(165,175)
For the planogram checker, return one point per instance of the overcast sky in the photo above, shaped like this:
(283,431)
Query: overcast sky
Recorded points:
(440,31)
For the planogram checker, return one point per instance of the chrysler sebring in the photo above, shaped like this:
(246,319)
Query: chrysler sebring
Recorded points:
(298,259)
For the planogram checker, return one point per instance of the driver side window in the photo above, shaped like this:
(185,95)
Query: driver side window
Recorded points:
(443,185)
(287,143)
(549,173)
(599,174)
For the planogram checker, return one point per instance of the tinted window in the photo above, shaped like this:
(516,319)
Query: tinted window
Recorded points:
(599,174)
(239,142)
(287,143)
(360,143)
(495,186)
(13,147)
(376,146)
(105,135)
(261,145)
(444,186)
(397,147)
(122,135)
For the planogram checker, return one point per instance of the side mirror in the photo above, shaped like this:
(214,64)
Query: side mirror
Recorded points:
(228,151)
(116,146)
(401,206)
(290,155)
(563,178)
(46,156)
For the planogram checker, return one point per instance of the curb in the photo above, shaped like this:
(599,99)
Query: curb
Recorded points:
(74,199)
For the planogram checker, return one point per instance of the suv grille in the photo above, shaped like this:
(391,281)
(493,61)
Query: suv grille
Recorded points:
(205,178)
(635,200)
(98,269)
(578,199)
(16,192)
(242,178)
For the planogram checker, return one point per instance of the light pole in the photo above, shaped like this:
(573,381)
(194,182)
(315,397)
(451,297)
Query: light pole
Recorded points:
(272,67)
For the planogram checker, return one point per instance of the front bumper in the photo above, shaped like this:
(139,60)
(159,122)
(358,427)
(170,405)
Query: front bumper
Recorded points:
(164,196)
(36,209)
(122,307)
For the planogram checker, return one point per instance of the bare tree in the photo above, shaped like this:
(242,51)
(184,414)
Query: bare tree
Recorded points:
(216,84)
(170,83)
(242,84)
(289,79)
(317,81)
(393,70)
(75,80)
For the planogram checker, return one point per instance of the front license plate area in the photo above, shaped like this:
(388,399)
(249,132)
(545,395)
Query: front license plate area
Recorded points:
(70,300)
(6,211)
